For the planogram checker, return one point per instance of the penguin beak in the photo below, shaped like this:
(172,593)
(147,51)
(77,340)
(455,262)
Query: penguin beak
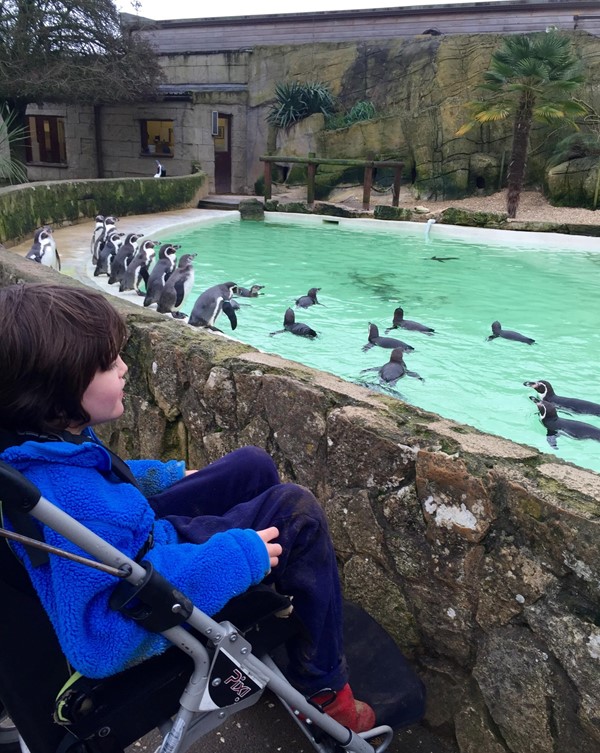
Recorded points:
(534,399)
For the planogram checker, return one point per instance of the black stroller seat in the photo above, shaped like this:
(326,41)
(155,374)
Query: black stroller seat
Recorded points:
(215,668)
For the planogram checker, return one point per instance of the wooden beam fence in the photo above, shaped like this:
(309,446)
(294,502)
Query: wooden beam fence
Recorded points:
(312,162)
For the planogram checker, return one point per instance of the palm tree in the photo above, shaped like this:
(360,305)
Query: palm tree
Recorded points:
(11,170)
(529,78)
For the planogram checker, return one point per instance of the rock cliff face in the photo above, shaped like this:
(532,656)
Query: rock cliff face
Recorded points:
(480,556)
(420,87)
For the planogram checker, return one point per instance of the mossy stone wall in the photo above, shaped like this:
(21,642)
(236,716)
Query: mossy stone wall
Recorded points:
(26,207)
(480,556)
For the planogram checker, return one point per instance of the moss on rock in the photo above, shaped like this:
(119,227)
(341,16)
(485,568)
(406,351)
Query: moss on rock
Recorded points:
(455,216)
(26,207)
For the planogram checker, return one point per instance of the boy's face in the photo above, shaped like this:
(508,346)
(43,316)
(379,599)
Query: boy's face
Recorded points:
(103,398)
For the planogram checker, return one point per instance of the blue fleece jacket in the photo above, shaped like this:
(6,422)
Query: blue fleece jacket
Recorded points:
(96,640)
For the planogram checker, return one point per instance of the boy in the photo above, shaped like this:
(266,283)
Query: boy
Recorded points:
(210,532)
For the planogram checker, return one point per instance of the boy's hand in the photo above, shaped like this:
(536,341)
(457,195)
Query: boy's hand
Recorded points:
(274,550)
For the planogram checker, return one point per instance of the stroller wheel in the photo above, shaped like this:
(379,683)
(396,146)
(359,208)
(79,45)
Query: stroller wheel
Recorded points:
(9,735)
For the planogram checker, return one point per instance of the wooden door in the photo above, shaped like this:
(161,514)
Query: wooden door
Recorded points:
(222,142)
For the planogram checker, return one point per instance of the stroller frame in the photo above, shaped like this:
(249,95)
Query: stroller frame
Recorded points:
(227,676)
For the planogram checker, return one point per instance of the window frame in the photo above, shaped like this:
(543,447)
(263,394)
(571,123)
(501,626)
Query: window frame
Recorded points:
(156,150)
(51,144)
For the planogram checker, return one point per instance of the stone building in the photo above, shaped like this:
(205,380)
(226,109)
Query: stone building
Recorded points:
(221,73)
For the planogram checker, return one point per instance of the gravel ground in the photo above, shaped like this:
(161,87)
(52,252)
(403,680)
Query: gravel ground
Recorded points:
(532,207)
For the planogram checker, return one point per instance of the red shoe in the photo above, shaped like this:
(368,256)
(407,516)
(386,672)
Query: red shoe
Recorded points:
(345,709)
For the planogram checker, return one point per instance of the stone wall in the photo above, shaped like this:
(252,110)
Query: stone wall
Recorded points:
(479,555)
(25,207)
(420,87)
(80,141)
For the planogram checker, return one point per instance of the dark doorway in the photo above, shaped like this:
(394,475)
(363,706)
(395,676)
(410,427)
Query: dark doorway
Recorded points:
(222,142)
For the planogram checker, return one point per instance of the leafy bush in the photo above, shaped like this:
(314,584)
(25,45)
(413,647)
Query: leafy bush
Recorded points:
(362,110)
(296,101)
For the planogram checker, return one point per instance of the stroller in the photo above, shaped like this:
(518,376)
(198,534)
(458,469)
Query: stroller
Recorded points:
(215,668)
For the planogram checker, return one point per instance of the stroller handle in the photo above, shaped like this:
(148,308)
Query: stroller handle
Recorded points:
(16,491)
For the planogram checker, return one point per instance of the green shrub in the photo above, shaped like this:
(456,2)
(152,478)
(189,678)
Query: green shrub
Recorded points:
(295,101)
(362,110)
(259,186)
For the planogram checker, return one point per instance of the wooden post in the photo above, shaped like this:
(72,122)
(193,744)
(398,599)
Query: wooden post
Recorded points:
(396,189)
(268,180)
(367,185)
(311,171)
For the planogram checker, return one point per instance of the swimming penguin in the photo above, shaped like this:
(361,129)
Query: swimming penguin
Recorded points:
(394,369)
(252,292)
(296,328)
(310,299)
(508,334)
(43,249)
(209,305)
(571,404)
(97,235)
(137,270)
(167,257)
(384,342)
(123,257)
(109,249)
(555,425)
(400,321)
(177,287)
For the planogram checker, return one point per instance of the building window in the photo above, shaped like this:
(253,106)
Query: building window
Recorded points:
(157,137)
(46,139)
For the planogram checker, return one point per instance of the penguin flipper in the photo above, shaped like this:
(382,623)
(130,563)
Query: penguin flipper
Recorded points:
(58,264)
(179,293)
(229,312)
(277,331)
(373,368)
(366,347)
(414,374)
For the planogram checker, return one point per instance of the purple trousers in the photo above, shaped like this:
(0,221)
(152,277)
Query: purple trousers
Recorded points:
(243,490)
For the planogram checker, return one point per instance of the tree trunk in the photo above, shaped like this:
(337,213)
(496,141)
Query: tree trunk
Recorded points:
(518,157)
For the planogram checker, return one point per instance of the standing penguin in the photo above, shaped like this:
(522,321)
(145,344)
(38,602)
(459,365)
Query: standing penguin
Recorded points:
(310,299)
(123,257)
(177,287)
(394,369)
(97,235)
(109,225)
(296,328)
(384,342)
(167,257)
(209,305)
(160,171)
(43,249)
(137,270)
(109,249)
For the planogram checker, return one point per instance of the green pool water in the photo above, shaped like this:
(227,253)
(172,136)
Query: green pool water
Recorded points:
(365,271)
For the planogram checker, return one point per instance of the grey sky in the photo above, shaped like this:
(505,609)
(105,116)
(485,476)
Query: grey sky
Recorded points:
(159,9)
